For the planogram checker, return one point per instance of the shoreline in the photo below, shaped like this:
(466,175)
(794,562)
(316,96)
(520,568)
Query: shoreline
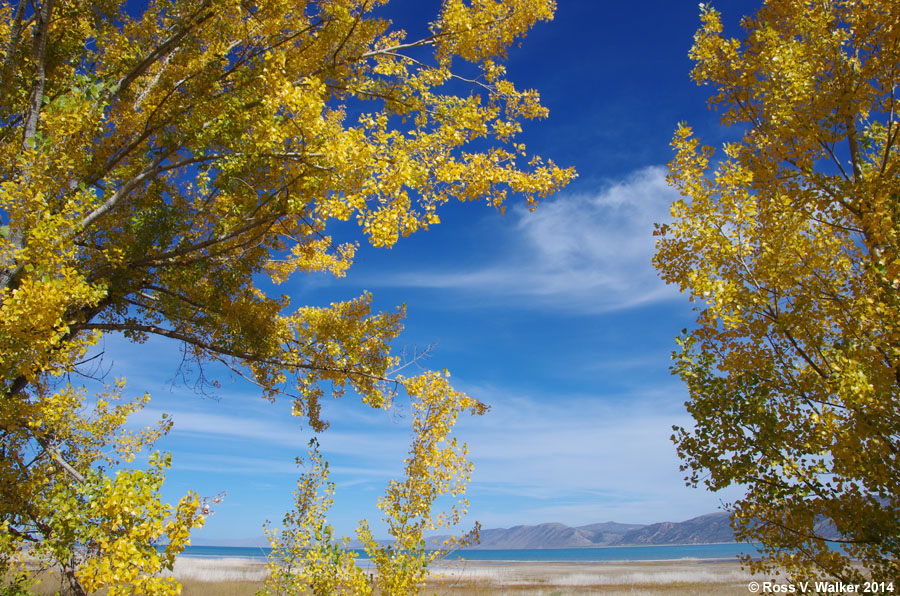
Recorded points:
(263,560)
(632,553)
(602,546)
(364,562)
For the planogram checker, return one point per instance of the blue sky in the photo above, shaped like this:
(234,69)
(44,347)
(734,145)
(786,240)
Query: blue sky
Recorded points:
(555,318)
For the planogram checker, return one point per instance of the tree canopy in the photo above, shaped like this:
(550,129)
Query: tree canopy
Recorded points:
(158,171)
(790,242)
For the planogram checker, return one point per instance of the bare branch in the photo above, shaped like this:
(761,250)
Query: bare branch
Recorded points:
(830,150)
(427,41)
(214,350)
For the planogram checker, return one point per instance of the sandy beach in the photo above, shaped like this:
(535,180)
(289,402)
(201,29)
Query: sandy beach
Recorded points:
(683,577)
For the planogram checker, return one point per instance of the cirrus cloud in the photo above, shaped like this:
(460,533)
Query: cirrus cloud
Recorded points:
(588,252)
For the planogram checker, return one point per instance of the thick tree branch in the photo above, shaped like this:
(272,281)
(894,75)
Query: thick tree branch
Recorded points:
(12,46)
(892,130)
(781,328)
(193,248)
(20,534)
(194,21)
(39,56)
(151,170)
(64,464)
(853,141)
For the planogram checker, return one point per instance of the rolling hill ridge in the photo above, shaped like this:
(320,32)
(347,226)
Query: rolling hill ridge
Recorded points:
(705,529)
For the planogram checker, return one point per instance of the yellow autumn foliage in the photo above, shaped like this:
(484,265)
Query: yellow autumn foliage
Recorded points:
(307,556)
(156,168)
(789,243)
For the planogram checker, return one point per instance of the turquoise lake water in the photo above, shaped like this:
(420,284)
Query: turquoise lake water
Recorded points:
(608,554)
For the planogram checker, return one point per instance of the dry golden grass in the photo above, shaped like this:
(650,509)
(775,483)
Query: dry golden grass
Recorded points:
(239,577)
(193,587)
(682,578)
(679,578)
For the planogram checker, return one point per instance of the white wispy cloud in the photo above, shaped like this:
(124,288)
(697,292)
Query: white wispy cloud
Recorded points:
(580,252)
(270,466)
(571,459)
(565,458)
(387,438)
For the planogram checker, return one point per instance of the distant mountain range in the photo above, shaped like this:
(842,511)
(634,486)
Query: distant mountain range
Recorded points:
(705,529)
(712,528)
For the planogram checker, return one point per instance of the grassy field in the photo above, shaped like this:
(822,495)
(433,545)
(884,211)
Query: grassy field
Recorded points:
(679,578)
(238,577)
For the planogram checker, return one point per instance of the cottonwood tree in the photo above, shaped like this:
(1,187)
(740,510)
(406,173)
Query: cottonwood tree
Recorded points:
(157,170)
(308,557)
(790,243)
